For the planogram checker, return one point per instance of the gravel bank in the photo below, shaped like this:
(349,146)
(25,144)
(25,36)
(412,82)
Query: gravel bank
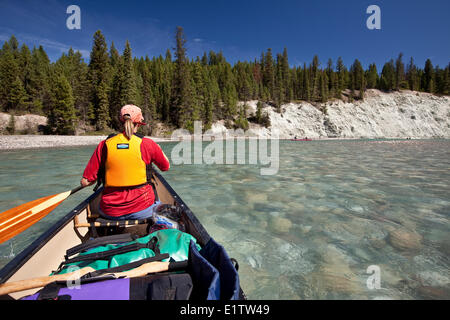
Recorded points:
(40,141)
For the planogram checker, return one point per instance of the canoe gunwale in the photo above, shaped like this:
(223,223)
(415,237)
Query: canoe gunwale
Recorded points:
(8,271)
(203,236)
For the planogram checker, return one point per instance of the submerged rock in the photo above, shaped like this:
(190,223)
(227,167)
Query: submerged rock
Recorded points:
(305,229)
(433,278)
(253,197)
(332,278)
(263,224)
(403,239)
(280,225)
(335,276)
(377,243)
(435,293)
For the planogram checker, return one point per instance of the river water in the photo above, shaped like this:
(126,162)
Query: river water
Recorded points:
(355,219)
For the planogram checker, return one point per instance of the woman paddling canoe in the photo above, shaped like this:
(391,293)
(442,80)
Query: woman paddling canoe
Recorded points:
(121,163)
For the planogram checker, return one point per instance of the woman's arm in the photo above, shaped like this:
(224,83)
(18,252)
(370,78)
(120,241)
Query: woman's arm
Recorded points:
(90,173)
(152,153)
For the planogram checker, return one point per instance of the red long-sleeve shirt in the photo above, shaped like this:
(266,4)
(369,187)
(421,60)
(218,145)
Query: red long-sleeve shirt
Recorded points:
(119,201)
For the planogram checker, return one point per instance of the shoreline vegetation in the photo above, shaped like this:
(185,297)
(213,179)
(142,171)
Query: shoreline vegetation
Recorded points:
(397,115)
(174,91)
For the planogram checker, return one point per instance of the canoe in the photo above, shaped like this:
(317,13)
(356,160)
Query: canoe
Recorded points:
(80,225)
(301,139)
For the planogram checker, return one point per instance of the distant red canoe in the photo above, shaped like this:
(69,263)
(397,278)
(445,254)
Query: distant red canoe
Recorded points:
(301,139)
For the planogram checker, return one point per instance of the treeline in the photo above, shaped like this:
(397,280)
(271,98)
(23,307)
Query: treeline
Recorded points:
(178,91)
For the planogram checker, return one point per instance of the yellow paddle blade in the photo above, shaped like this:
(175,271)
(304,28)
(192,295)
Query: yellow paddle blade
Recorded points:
(18,219)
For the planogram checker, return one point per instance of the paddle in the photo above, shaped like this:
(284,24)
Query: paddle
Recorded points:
(18,219)
(151,267)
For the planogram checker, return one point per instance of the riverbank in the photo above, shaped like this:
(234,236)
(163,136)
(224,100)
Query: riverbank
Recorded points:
(396,115)
(15,142)
(18,142)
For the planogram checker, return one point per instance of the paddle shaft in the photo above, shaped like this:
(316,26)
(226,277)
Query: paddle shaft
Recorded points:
(75,190)
(21,285)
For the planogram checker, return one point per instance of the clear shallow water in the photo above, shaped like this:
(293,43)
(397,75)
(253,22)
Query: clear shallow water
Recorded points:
(311,231)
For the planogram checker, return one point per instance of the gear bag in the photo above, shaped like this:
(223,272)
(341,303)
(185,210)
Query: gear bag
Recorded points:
(153,287)
(170,241)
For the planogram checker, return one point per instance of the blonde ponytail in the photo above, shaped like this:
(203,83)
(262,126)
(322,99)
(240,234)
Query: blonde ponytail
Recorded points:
(128,126)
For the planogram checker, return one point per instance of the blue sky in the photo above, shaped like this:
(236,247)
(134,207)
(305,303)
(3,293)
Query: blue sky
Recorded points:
(241,29)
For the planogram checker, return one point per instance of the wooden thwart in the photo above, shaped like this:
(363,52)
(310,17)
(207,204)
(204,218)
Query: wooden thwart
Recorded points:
(112,223)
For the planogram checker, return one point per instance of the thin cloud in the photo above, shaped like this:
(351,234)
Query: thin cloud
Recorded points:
(33,40)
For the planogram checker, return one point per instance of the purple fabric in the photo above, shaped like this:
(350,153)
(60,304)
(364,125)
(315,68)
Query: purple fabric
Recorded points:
(118,289)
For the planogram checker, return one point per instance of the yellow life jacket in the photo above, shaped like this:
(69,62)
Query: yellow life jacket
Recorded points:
(124,166)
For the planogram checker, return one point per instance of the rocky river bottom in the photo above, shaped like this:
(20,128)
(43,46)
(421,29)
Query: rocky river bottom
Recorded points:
(357,219)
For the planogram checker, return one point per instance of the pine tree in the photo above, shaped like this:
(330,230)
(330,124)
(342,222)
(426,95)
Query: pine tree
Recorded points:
(428,77)
(75,70)
(412,76)
(98,66)
(165,82)
(212,99)
(199,95)
(228,91)
(387,79)
(399,72)
(279,90)
(298,85)
(332,79)
(323,82)
(269,73)
(286,77)
(358,78)
(114,59)
(204,60)
(261,118)
(128,94)
(24,64)
(446,90)
(8,74)
(181,110)
(241,122)
(62,115)
(314,79)
(372,76)
(341,76)
(11,128)
(14,45)
(80,85)
(39,82)
(243,82)
(98,78)
(440,80)
(17,96)
(258,114)
(306,86)
(149,104)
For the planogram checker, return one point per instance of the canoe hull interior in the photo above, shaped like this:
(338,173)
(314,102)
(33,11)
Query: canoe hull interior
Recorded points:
(44,255)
